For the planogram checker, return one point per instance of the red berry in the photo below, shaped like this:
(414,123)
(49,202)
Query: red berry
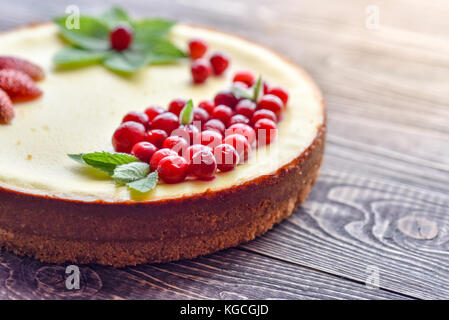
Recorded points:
(153,111)
(245,107)
(215,124)
(127,135)
(200,116)
(207,105)
(203,164)
(34,71)
(166,121)
(190,151)
(272,103)
(6,109)
(172,169)
(263,114)
(201,70)
(137,117)
(237,118)
(244,130)
(266,131)
(189,133)
(225,98)
(156,137)
(211,138)
(222,113)
(176,143)
(197,48)
(144,151)
(244,76)
(279,92)
(240,143)
(219,62)
(176,106)
(159,155)
(121,37)
(226,156)
(18,85)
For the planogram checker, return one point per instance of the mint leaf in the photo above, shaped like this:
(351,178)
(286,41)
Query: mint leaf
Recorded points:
(146,184)
(163,48)
(92,34)
(240,93)
(147,30)
(114,16)
(126,62)
(104,161)
(186,115)
(74,57)
(130,172)
(257,90)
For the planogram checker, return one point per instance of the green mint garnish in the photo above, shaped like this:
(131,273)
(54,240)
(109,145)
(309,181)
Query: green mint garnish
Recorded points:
(131,172)
(146,184)
(122,167)
(186,115)
(90,44)
(257,90)
(240,93)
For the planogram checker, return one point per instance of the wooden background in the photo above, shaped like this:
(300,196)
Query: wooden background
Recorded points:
(381,203)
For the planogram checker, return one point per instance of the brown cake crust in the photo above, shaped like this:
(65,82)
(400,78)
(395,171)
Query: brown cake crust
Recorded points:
(60,230)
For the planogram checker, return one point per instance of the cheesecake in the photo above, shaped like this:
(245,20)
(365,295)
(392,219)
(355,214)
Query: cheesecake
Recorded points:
(56,210)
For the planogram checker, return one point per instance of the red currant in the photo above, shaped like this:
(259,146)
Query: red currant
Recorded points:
(121,37)
(263,114)
(176,106)
(211,138)
(279,92)
(156,137)
(226,98)
(127,135)
(272,103)
(207,105)
(172,169)
(159,155)
(222,113)
(167,121)
(237,118)
(266,131)
(143,151)
(194,148)
(200,116)
(201,70)
(244,76)
(245,107)
(240,143)
(215,124)
(226,156)
(176,143)
(219,62)
(244,130)
(203,164)
(137,117)
(189,133)
(153,111)
(197,48)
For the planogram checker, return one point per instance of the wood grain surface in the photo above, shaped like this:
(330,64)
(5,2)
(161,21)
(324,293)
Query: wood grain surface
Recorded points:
(381,204)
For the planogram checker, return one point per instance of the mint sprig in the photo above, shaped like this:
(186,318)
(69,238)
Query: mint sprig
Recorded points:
(186,115)
(90,43)
(257,90)
(122,167)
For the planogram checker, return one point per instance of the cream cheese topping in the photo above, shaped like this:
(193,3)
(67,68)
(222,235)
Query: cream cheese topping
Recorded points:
(81,108)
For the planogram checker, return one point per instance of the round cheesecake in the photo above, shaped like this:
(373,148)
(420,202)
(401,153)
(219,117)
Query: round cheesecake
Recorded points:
(56,210)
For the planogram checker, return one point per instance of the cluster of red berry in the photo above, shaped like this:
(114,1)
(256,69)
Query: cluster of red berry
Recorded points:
(17,83)
(202,68)
(221,136)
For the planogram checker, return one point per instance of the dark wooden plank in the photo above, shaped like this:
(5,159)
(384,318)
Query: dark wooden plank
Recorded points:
(231,274)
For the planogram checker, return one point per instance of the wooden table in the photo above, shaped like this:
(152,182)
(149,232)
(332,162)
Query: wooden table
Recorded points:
(379,213)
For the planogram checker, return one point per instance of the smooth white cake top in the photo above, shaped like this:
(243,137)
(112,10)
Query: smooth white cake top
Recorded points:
(81,108)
